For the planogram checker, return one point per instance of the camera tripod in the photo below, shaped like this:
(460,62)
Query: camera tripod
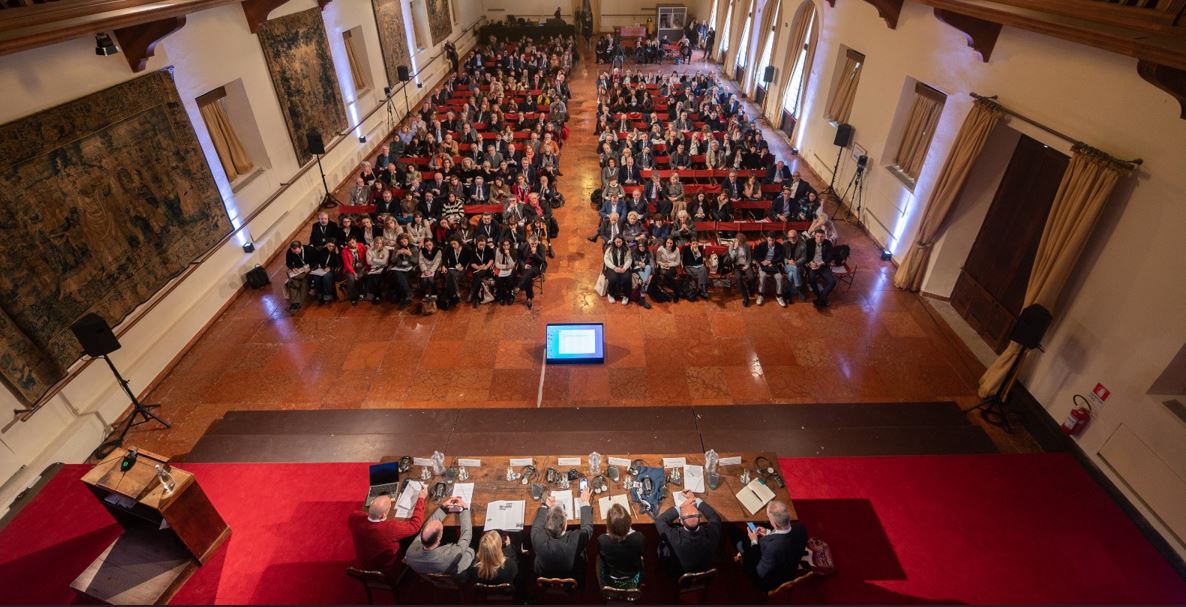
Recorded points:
(857,181)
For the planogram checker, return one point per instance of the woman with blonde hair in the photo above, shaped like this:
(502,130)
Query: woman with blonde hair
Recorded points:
(620,550)
(497,562)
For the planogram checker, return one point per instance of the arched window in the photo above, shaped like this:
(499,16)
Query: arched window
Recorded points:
(792,103)
(741,51)
(764,58)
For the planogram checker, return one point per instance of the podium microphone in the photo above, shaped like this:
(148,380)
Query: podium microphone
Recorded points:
(129,459)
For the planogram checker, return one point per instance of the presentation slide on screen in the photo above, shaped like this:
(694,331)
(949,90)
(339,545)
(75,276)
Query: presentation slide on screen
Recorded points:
(575,343)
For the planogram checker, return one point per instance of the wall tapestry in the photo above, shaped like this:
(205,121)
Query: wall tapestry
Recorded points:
(104,200)
(440,23)
(297,52)
(393,38)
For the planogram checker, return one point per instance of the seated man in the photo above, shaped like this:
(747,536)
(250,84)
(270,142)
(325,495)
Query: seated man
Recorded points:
(743,272)
(559,553)
(688,545)
(817,253)
(795,249)
(428,554)
(771,556)
(770,257)
(377,534)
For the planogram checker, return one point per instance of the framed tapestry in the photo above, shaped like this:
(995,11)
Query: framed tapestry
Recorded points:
(105,199)
(393,38)
(440,22)
(296,50)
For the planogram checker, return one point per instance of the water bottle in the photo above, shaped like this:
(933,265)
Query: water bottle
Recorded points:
(711,463)
(166,479)
(594,463)
(438,463)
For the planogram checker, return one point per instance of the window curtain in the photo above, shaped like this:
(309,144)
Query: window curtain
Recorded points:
(846,90)
(1085,189)
(790,54)
(231,153)
(757,41)
(355,71)
(965,150)
(920,127)
(719,26)
(741,8)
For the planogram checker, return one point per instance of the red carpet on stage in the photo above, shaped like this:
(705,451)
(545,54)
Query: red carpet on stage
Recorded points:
(949,529)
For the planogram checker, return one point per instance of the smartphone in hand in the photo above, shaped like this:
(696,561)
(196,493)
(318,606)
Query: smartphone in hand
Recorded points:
(584,485)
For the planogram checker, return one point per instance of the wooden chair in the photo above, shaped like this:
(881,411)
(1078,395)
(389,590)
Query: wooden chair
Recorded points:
(783,592)
(691,587)
(621,596)
(372,581)
(495,593)
(563,588)
(443,582)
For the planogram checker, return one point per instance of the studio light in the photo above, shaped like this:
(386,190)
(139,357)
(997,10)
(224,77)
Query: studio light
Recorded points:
(249,247)
(362,139)
(886,255)
(104,45)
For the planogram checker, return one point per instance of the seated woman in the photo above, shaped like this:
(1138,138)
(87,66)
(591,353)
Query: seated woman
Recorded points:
(402,267)
(618,264)
(620,551)
(752,189)
(497,560)
(701,209)
(669,260)
(644,268)
(675,193)
(693,259)
(504,272)
(418,229)
(633,229)
(377,260)
(327,267)
(430,264)
(684,229)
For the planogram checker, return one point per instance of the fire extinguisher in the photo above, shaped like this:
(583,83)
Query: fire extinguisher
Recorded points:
(1078,417)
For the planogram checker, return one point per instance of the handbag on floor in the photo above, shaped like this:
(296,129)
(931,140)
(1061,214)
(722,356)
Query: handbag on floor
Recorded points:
(428,306)
(487,291)
(819,554)
(601,287)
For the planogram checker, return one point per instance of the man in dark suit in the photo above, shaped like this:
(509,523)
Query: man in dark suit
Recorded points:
(629,174)
(688,537)
(819,268)
(770,258)
(799,188)
(779,173)
(771,556)
(323,230)
(559,552)
(784,205)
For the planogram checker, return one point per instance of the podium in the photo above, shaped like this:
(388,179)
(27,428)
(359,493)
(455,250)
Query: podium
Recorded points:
(165,538)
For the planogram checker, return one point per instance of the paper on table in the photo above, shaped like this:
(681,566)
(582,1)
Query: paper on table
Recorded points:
(521,461)
(407,499)
(465,491)
(604,503)
(469,463)
(506,515)
(729,461)
(568,461)
(564,500)
(679,498)
(422,461)
(674,462)
(619,461)
(755,495)
(694,478)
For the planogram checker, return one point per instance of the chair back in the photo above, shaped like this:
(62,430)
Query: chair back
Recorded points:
(621,595)
(563,587)
(441,581)
(372,580)
(495,593)
(694,584)
(784,590)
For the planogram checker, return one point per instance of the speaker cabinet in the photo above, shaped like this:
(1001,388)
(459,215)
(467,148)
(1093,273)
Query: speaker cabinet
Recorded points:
(94,335)
(768,75)
(316,144)
(1031,326)
(844,134)
(401,72)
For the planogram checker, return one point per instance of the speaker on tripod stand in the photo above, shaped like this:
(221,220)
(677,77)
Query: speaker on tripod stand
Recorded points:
(316,146)
(1028,331)
(98,341)
(843,139)
(767,78)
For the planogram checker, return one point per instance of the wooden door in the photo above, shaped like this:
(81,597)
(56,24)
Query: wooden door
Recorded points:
(991,286)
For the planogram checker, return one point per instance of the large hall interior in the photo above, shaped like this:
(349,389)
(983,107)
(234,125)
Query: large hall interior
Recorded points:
(593,301)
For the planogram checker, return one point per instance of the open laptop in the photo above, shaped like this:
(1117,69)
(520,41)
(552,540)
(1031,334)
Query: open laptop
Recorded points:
(384,481)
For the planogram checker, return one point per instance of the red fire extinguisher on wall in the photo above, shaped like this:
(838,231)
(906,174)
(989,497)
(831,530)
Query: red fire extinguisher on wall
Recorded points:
(1077,419)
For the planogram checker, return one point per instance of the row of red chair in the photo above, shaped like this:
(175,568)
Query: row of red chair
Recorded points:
(367,209)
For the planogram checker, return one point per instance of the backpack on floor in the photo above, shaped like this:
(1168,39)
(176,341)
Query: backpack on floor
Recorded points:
(657,293)
(840,254)
(553,228)
(596,198)
(689,290)
(257,277)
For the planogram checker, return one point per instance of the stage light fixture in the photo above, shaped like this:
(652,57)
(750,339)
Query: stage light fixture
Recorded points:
(104,45)
(886,255)
(362,138)
(249,247)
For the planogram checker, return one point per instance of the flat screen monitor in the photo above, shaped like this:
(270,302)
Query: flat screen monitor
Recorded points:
(570,343)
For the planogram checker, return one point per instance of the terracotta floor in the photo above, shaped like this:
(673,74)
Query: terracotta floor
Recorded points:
(875,344)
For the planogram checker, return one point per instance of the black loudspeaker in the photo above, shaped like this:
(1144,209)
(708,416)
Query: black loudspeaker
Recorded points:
(768,75)
(316,145)
(94,335)
(843,135)
(401,72)
(1031,326)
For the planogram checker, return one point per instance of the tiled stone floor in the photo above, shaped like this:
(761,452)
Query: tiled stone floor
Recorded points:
(875,344)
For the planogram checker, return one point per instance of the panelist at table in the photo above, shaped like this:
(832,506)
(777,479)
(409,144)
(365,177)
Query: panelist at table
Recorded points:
(559,552)
(377,533)
(688,537)
(428,554)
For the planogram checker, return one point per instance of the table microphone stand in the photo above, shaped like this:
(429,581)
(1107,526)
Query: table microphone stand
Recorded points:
(138,410)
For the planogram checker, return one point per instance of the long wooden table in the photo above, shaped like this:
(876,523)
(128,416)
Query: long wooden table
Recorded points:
(490,484)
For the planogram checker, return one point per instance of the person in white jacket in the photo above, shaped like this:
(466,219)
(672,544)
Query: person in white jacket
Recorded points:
(618,263)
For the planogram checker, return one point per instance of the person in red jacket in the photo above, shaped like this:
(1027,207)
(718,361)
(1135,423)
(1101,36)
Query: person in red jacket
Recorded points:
(354,258)
(377,533)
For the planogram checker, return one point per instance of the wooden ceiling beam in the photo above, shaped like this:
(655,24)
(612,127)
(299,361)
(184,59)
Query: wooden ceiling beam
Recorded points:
(30,27)
(138,42)
(1168,79)
(981,35)
(889,10)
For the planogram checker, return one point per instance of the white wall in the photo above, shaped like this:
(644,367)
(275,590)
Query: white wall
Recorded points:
(1121,319)
(73,422)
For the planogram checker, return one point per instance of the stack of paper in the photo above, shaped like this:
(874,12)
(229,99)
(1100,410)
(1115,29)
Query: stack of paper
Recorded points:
(604,503)
(407,499)
(679,498)
(505,515)
(465,491)
(564,500)
(755,495)
(694,478)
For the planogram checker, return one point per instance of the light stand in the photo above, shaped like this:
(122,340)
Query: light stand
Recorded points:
(994,409)
(138,410)
(329,201)
(858,180)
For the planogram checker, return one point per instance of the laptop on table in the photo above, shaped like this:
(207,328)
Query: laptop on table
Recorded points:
(384,481)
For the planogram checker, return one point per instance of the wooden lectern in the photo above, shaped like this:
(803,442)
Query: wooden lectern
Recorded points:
(165,538)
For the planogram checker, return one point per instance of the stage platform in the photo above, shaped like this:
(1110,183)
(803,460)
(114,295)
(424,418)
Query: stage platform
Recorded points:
(353,435)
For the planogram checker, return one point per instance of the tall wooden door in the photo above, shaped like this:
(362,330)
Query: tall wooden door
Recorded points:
(991,285)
